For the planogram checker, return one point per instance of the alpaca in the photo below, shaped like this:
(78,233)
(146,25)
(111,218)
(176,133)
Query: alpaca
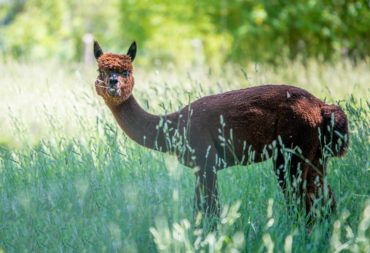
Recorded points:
(281,122)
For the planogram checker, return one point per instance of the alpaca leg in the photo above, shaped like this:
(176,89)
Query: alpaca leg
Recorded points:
(280,171)
(319,194)
(310,192)
(283,178)
(206,195)
(198,195)
(328,194)
(290,175)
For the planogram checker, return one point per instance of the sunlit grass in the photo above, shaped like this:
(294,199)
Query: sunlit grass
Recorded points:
(33,92)
(71,181)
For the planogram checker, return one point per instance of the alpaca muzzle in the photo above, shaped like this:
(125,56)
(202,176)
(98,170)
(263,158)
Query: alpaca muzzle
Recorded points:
(112,92)
(113,89)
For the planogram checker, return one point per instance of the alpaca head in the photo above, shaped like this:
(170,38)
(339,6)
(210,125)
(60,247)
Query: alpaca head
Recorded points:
(115,80)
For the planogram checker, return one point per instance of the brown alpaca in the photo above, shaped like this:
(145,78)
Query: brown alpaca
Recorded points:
(281,122)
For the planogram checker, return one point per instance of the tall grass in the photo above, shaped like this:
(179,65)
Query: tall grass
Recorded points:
(70,181)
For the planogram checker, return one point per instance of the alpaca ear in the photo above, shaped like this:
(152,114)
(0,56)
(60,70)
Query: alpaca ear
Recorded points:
(132,51)
(97,50)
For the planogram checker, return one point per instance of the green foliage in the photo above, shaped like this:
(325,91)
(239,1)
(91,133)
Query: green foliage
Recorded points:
(189,32)
(326,29)
(171,31)
(54,29)
(181,237)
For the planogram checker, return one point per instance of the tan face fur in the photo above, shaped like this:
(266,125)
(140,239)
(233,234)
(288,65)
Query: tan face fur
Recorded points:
(115,80)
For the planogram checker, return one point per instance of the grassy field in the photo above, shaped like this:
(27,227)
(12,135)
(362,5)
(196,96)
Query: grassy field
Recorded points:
(70,181)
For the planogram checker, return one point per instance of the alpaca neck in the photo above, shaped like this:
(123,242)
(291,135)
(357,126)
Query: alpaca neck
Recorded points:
(139,125)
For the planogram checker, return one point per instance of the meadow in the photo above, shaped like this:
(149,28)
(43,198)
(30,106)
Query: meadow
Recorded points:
(71,181)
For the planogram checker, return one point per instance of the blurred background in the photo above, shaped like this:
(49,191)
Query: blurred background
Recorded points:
(186,49)
(183,32)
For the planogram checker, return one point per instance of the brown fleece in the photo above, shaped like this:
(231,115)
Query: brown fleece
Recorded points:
(116,62)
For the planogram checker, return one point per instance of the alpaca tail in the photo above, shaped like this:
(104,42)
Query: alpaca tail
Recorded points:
(334,130)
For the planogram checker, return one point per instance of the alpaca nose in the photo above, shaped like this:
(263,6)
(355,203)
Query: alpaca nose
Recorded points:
(113,81)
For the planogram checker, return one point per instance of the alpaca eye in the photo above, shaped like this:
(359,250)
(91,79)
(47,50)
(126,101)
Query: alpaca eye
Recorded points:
(125,73)
(102,75)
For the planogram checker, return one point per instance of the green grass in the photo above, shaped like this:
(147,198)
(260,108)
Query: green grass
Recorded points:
(70,181)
